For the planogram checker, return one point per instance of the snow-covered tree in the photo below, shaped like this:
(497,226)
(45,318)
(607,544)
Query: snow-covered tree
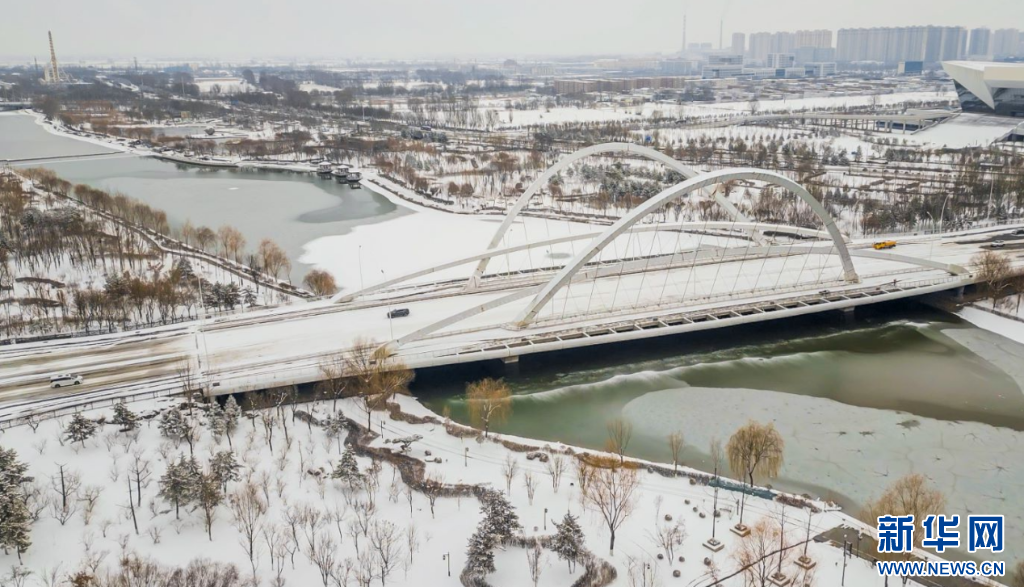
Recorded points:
(178,484)
(347,470)
(172,424)
(208,494)
(568,543)
(500,519)
(177,427)
(480,553)
(334,426)
(15,518)
(126,419)
(224,467)
(80,429)
(232,413)
(215,420)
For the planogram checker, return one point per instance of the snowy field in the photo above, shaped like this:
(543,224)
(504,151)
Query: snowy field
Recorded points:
(283,497)
(613,113)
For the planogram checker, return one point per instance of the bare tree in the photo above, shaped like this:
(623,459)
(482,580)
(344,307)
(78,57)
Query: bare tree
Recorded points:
(323,554)
(248,509)
(556,466)
(489,401)
(995,272)
(668,537)
(759,555)
(139,469)
(66,485)
(530,482)
(332,371)
(675,444)
(619,434)
(433,486)
(187,380)
(611,493)
(321,283)
(908,495)
(717,461)
(641,572)
(510,470)
(534,558)
(385,540)
(375,376)
(755,451)
(1018,574)
(273,258)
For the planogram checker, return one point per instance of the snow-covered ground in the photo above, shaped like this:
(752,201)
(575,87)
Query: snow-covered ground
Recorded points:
(99,530)
(1003,326)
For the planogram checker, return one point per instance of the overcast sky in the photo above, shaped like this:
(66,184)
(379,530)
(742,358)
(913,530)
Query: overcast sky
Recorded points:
(347,29)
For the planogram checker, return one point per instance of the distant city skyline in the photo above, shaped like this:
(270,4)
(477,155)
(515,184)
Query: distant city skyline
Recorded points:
(414,29)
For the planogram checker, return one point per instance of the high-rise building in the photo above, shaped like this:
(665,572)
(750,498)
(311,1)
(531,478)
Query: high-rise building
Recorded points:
(783,42)
(739,43)
(763,44)
(981,42)
(818,38)
(760,46)
(1006,43)
(894,44)
(814,55)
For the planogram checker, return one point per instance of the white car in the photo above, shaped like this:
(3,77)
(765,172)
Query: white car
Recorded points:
(67,379)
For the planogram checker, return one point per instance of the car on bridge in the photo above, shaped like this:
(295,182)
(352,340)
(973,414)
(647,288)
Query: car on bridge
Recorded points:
(65,379)
(399,313)
(882,245)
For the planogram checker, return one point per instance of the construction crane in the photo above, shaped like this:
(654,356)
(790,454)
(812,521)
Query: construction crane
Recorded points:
(53,74)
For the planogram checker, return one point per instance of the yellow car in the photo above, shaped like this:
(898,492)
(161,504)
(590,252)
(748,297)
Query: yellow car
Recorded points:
(880,245)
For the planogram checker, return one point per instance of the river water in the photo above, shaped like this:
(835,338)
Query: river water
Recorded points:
(290,208)
(909,390)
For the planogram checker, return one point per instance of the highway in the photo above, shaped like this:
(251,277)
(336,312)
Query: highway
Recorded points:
(286,345)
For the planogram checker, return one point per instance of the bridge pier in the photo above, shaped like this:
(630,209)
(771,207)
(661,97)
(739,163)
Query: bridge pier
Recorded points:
(849,316)
(959,295)
(510,366)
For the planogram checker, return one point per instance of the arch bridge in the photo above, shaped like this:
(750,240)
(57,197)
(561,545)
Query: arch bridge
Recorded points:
(644,265)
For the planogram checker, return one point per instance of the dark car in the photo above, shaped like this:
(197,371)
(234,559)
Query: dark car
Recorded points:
(398,313)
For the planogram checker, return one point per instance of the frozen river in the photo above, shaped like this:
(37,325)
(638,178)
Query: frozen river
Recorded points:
(290,208)
(857,408)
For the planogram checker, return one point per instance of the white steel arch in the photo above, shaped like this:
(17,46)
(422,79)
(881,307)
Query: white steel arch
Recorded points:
(749,227)
(563,277)
(653,154)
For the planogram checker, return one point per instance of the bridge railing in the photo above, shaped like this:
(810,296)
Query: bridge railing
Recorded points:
(525,340)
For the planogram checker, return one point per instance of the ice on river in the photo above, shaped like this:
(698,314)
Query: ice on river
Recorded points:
(855,451)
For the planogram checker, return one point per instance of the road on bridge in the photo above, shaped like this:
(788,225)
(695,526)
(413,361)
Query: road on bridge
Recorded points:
(285,345)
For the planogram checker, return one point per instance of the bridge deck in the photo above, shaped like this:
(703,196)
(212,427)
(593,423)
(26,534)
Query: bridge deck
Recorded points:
(286,345)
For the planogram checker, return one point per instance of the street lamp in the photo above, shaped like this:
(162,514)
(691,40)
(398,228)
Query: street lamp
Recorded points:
(360,253)
(448,557)
(391,322)
(843,580)
(545,518)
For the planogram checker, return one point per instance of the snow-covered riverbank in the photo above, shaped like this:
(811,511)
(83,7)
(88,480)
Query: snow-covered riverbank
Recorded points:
(301,508)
